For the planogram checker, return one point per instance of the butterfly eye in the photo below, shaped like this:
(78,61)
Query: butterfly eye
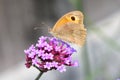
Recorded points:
(72,18)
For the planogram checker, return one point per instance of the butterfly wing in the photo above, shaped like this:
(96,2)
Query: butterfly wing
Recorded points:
(76,33)
(64,32)
(80,35)
(70,28)
(71,32)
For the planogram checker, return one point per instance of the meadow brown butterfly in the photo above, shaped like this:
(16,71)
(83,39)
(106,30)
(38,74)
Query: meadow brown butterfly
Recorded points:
(70,28)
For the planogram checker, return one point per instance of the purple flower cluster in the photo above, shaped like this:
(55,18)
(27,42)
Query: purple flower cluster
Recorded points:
(50,53)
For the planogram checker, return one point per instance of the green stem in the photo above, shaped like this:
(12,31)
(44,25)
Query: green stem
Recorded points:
(38,77)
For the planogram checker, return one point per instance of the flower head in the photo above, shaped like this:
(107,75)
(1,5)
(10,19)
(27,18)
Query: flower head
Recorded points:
(50,53)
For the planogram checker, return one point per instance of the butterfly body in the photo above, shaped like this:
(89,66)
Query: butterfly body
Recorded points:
(70,28)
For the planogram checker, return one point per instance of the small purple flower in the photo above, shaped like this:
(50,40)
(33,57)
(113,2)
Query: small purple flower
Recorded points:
(35,62)
(57,48)
(68,60)
(44,56)
(39,52)
(31,48)
(48,65)
(32,55)
(50,53)
(47,56)
(61,68)
(54,64)
(48,47)
(50,56)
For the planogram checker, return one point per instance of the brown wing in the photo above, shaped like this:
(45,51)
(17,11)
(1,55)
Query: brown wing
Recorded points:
(80,35)
(71,32)
(68,18)
(70,28)
(74,33)
(64,32)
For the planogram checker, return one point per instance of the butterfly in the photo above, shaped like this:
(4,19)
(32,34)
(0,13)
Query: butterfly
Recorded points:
(70,28)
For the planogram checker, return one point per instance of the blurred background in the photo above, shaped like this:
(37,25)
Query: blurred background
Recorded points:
(99,59)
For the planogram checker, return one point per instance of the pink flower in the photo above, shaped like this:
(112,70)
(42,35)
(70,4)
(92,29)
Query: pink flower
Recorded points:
(50,53)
